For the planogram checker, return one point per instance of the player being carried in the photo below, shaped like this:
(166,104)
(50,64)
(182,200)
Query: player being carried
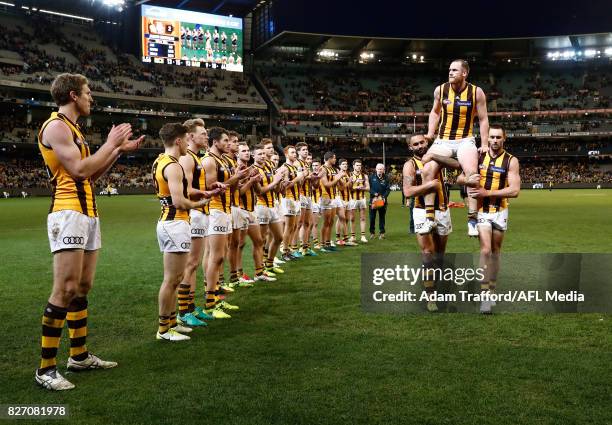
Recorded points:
(456,104)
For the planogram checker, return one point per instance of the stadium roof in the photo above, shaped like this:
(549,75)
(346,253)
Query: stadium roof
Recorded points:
(222,7)
(97,8)
(433,48)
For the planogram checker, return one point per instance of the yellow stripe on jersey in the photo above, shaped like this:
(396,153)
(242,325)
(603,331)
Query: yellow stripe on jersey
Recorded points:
(305,186)
(316,191)
(68,192)
(358,182)
(266,199)
(458,111)
(493,176)
(291,192)
(198,181)
(248,199)
(272,168)
(330,192)
(168,210)
(441,199)
(345,193)
(234,192)
(221,201)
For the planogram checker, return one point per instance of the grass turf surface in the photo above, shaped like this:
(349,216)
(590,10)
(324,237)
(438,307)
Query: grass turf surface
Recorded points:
(300,350)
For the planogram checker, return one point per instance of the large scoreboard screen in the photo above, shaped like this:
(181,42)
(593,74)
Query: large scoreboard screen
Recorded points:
(182,37)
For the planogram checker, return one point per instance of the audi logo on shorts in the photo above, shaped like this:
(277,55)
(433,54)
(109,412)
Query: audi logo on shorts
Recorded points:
(200,232)
(186,245)
(220,228)
(73,240)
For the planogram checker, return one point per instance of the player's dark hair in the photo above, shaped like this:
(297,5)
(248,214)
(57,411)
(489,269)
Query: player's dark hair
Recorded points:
(357,161)
(216,133)
(258,146)
(317,159)
(341,160)
(172,131)
(300,145)
(498,127)
(233,133)
(328,155)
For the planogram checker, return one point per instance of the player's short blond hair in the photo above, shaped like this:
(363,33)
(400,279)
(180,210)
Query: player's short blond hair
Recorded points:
(194,123)
(65,83)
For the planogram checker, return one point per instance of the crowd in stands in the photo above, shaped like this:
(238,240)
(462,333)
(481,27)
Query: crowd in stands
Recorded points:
(326,88)
(120,76)
(26,174)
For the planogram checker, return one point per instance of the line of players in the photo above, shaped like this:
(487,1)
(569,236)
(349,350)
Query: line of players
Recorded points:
(490,173)
(198,39)
(211,203)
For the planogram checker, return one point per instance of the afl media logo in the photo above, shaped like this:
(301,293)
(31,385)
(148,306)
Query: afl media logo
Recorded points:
(186,245)
(220,228)
(73,240)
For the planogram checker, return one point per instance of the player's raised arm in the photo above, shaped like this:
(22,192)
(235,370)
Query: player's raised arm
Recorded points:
(434,115)
(483,119)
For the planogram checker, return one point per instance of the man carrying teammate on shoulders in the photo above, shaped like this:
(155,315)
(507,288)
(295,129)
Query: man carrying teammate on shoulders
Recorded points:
(173,229)
(73,225)
(432,244)
(499,180)
(456,104)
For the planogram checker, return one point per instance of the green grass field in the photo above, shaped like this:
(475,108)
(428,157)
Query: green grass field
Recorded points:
(301,350)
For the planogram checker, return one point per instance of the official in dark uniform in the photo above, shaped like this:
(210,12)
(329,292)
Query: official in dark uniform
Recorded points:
(379,190)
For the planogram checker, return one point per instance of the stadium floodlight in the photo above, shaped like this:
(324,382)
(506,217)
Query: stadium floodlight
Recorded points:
(366,55)
(414,56)
(568,54)
(3,3)
(589,53)
(113,3)
(327,53)
(608,51)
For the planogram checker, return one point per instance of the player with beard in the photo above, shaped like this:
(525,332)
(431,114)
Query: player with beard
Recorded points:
(432,244)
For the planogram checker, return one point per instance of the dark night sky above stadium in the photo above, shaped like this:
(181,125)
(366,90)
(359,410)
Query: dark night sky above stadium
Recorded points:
(440,19)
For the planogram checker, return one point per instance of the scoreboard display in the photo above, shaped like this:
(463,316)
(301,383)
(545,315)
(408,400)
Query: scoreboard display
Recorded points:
(187,38)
